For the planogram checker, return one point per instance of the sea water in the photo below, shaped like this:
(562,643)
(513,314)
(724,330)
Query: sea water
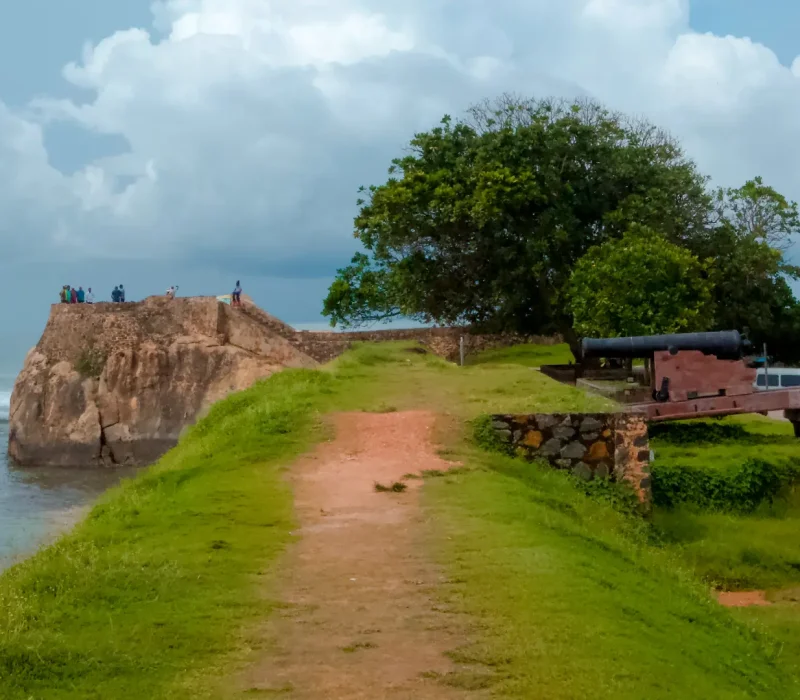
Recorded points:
(38,503)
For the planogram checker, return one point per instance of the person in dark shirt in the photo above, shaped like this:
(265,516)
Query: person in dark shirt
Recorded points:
(81,295)
(237,294)
(121,293)
(115,294)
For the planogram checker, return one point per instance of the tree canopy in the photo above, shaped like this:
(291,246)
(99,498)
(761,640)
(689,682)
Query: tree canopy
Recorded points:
(640,284)
(485,219)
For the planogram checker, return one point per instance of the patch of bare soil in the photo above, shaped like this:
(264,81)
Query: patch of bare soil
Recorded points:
(743,599)
(361,619)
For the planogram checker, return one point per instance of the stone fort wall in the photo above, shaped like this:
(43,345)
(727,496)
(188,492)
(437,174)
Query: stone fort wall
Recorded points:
(107,327)
(72,328)
(611,446)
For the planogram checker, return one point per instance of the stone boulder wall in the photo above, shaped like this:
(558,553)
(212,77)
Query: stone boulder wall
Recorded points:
(611,446)
(325,346)
(153,368)
(444,342)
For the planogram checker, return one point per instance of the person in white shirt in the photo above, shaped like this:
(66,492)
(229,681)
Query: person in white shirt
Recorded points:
(89,296)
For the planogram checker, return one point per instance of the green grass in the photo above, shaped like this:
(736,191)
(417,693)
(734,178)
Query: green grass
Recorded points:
(157,582)
(153,593)
(733,440)
(733,551)
(525,355)
(736,552)
(571,601)
(152,596)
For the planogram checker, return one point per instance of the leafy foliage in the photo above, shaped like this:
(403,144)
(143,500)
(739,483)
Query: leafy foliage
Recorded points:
(639,285)
(485,219)
(694,433)
(91,362)
(485,436)
(750,228)
(759,212)
(740,490)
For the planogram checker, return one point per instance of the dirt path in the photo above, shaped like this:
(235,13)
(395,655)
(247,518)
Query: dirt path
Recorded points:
(362,620)
(743,599)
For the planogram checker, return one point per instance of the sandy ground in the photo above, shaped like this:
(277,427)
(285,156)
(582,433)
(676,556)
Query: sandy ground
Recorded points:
(743,599)
(362,619)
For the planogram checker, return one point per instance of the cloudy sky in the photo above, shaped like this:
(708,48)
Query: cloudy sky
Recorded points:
(195,142)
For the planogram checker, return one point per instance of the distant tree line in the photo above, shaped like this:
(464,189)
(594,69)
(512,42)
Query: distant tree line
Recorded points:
(544,216)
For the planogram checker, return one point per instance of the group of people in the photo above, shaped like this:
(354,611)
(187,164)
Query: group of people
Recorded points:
(70,295)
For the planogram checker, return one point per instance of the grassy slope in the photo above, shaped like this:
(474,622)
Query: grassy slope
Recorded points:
(148,598)
(741,552)
(761,550)
(574,603)
(526,355)
(156,582)
(758,433)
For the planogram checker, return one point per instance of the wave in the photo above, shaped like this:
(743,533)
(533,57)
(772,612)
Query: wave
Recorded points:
(5,400)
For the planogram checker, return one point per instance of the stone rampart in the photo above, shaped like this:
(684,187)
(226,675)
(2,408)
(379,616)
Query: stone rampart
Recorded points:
(592,446)
(109,327)
(325,346)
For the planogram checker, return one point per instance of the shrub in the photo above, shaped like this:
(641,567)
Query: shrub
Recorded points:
(739,490)
(485,436)
(90,362)
(700,433)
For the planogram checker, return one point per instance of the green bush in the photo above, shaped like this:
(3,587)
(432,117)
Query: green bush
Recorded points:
(90,362)
(701,433)
(485,436)
(739,490)
(618,495)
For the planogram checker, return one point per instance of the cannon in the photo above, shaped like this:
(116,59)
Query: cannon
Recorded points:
(725,345)
(695,375)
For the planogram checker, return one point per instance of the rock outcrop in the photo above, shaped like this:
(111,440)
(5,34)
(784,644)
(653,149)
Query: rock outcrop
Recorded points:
(118,383)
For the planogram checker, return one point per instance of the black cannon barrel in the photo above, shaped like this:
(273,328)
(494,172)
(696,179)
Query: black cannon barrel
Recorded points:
(723,344)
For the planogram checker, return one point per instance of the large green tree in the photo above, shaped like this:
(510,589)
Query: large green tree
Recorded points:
(749,230)
(640,284)
(484,219)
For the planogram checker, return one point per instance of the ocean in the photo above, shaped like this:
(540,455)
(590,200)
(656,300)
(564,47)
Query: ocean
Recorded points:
(5,399)
(38,503)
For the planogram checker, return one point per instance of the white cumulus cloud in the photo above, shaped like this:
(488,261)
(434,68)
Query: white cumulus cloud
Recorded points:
(250,124)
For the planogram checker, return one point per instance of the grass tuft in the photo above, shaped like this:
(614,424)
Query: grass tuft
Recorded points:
(359,646)
(396,487)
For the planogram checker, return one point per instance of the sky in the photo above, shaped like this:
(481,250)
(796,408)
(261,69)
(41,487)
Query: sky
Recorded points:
(197,142)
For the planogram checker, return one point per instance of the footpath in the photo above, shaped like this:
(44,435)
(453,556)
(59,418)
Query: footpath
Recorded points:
(361,618)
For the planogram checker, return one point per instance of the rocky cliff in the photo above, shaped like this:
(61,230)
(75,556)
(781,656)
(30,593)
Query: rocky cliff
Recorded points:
(117,383)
